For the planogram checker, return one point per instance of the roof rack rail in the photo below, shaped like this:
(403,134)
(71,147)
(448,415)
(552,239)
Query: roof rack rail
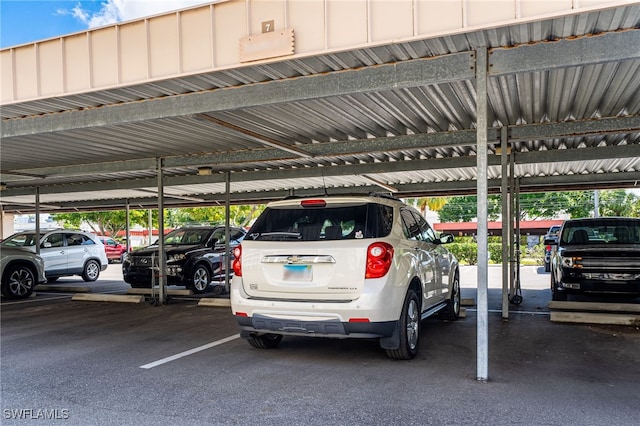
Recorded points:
(387,195)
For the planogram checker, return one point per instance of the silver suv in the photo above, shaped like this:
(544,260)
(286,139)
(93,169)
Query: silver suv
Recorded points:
(65,252)
(21,271)
(343,267)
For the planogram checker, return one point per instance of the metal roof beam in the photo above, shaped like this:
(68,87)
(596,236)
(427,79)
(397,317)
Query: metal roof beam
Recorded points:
(418,72)
(582,128)
(566,52)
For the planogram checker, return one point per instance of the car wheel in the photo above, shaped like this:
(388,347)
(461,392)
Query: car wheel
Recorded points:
(452,311)
(200,279)
(547,266)
(19,282)
(91,271)
(409,329)
(557,295)
(265,341)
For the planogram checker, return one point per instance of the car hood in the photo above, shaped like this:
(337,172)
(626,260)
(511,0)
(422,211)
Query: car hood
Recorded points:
(14,251)
(170,250)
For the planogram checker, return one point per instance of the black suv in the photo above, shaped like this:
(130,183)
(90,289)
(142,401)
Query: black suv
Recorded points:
(596,256)
(195,257)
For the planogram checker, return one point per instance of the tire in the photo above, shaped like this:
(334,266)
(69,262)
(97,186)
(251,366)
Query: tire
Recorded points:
(18,282)
(409,329)
(91,271)
(265,341)
(547,267)
(200,279)
(559,296)
(452,311)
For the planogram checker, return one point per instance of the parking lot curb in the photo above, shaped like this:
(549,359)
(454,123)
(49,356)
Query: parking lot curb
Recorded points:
(169,292)
(595,313)
(108,298)
(218,303)
(64,288)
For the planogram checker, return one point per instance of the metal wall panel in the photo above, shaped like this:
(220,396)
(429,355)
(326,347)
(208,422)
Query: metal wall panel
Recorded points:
(346,23)
(76,63)
(164,46)
(196,40)
(50,67)
(104,57)
(206,38)
(134,59)
(437,16)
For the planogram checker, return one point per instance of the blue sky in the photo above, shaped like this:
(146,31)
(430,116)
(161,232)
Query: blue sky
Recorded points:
(25,21)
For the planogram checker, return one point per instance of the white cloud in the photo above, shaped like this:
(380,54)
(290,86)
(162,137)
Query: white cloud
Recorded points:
(113,11)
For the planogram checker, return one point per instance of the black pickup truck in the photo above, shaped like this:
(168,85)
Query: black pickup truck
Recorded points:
(596,256)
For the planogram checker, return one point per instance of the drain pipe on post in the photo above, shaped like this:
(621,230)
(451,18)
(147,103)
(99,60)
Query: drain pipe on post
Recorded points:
(506,216)
(227,233)
(37,220)
(482,194)
(162,274)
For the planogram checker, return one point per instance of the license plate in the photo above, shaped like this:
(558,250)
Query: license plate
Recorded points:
(297,273)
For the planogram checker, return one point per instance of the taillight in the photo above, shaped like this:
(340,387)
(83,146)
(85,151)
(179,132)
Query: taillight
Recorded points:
(313,203)
(237,261)
(379,257)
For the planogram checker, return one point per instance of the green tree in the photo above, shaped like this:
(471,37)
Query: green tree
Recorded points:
(619,203)
(465,208)
(112,222)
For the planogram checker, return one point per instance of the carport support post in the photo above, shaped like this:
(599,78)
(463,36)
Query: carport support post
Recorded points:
(482,193)
(506,217)
(162,273)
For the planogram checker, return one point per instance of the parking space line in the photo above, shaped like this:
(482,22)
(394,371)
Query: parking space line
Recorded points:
(190,352)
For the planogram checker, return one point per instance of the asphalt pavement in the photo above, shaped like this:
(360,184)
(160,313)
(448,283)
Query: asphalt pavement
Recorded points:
(95,363)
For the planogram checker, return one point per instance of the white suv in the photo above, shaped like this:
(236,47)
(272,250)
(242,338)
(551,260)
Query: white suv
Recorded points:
(65,252)
(343,267)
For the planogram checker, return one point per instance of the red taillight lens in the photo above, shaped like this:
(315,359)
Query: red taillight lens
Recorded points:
(237,261)
(313,203)
(379,257)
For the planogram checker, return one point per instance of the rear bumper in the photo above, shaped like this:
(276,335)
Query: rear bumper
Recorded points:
(263,324)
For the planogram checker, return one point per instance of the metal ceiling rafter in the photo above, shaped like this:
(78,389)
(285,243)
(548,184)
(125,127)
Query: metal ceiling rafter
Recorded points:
(612,125)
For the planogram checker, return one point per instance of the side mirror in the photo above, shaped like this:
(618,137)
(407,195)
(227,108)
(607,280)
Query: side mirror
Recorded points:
(446,238)
(551,241)
(46,245)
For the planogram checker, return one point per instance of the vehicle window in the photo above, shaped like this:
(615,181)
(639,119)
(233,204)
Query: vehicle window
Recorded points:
(326,223)
(56,240)
(186,237)
(410,225)
(74,239)
(236,234)
(604,231)
(428,234)
(218,236)
(20,240)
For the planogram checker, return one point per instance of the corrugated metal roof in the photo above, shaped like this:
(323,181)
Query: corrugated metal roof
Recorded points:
(348,135)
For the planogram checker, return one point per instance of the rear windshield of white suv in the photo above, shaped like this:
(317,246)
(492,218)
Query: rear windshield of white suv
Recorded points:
(326,222)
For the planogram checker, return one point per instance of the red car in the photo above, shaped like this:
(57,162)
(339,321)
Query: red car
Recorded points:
(114,249)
